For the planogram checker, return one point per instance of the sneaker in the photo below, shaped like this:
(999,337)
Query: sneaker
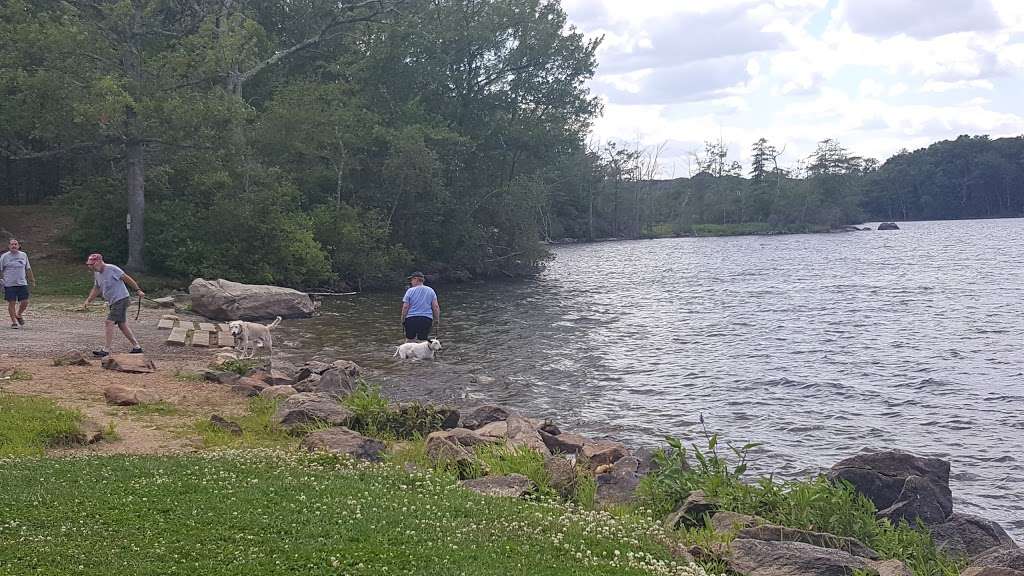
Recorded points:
(136,350)
(100,353)
(21,320)
(14,324)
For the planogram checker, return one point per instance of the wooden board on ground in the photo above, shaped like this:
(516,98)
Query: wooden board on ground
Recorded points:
(178,336)
(165,324)
(200,338)
(225,339)
(207,327)
(186,324)
(224,328)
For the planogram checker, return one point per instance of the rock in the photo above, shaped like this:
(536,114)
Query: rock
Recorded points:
(766,558)
(484,415)
(313,367)
(73,358)
(726,521)
(246,390)
(646,458)
(480,379)
(549,427)
(561,475)
(165,302)
(442,451)
(564,443)
(130,363)
(89,432)
(277,392)
(496,430)
(770,532)
(220,376)
(273,377)
(901,485)
(619,485)
(603,452)
(310,383)
(891,568)
(345,442)
(888,226)
(310,408)
(226,300)
(964,535)
(336,382)
(523,433)
(350,368)
(1001,557)
(126,396)
(450,417)
(511,486)
(226,425)
(691,512)
(463,437)
(989,571)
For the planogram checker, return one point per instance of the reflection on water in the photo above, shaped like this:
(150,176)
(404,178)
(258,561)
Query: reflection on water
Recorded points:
(816,345)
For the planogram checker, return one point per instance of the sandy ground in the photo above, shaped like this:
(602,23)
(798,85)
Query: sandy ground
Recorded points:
(53,327)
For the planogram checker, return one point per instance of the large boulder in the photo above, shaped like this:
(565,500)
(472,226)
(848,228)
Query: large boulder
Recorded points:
(563,443)
(444,451)
(483,416)
(901,485)
(965,535)
(523,433)
(772,533)
(343,441)
(511,486)
(773,558)
(600,452)
(619,485)
(888,226)
(1002,557)
(226,300)
(308,408)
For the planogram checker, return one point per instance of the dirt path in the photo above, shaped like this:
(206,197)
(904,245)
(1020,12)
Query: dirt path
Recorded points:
(53,327)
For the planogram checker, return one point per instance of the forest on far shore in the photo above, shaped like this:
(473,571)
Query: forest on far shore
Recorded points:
(310,142)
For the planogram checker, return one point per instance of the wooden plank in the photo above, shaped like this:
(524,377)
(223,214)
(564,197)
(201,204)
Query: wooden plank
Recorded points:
(178,336)
(225,339)
(186,324)
(207,327)
(165,324)
(223,327)
(201,338)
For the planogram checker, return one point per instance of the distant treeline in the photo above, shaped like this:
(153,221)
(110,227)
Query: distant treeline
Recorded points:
(303,142)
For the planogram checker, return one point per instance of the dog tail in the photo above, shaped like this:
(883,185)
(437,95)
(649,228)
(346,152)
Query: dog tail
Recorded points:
(274,323)
(396,352)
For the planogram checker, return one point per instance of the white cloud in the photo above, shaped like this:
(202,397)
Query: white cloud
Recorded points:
(879,75)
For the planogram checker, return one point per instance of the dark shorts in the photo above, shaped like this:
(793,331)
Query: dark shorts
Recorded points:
(119,311)
(15,293)
(417,327)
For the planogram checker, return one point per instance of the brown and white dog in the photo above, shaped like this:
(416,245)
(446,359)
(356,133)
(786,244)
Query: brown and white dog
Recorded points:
(252,335)
(418,350)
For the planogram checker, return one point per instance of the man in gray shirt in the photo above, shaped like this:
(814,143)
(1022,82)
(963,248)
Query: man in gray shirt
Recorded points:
(109,280)
(15,272)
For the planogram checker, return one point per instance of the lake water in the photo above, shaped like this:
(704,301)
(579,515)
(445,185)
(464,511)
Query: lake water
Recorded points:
(817,345)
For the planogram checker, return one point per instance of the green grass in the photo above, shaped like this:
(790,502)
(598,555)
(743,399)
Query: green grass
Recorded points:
(279,513)
(746,229)
(156,408)
(374,415)
(29,425)
(60,278)
(15,375)
(187,376)
(258,429)
(814,504)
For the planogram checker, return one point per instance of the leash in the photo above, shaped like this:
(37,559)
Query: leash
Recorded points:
(139,309)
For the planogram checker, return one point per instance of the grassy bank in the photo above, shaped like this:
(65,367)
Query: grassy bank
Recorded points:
(29,425)
(262,512)
(742,229)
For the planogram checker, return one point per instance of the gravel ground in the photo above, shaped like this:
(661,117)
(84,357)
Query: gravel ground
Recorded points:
(54,326)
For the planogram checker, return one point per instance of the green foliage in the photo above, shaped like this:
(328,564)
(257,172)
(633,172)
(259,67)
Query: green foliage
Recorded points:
(241,366)
(358,244)
(156,408)
(258,429)
(29,425)
(374,416)
(814,504)
(203,513)
(501,459)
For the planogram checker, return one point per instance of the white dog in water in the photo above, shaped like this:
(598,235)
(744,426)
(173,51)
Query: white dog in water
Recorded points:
(418,350)
(251,335)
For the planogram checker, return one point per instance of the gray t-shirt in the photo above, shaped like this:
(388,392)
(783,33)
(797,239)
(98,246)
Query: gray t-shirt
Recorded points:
(110,284)
(14,267)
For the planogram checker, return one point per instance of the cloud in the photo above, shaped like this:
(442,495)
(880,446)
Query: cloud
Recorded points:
(919,18)
(703,80)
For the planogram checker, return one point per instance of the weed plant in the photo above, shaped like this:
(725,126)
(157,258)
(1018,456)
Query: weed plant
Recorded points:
(258,429)
(814,504)
(242,366)
(375,416)
(29,425)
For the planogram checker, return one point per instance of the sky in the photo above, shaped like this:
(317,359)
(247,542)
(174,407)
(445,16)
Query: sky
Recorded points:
(876,75)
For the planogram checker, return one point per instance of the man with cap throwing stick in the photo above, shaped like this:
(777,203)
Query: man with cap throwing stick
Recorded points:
(419,309)
(109,280)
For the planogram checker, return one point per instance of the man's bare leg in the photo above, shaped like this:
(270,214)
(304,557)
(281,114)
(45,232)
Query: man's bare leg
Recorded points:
(127,331)
(109,328)
(10,310)
(22,306)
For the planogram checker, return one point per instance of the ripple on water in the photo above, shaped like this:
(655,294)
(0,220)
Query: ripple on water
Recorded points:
(817,346)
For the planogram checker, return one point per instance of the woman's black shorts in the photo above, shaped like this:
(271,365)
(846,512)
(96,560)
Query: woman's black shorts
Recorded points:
(417,327)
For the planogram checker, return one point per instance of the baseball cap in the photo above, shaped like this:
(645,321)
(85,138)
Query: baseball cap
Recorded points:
(94,257)
(417,275)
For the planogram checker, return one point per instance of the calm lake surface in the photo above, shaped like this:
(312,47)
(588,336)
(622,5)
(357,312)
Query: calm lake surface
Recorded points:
(817,345)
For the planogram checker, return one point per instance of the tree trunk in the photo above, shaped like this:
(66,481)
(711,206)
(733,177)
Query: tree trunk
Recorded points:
(136,207)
